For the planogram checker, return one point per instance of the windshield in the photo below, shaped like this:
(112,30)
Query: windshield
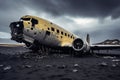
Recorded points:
(25,19)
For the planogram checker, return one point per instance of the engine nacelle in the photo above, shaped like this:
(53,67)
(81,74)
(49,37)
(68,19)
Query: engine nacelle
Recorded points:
(78,44)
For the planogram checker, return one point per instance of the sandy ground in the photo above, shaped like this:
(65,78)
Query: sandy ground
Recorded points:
(26,65)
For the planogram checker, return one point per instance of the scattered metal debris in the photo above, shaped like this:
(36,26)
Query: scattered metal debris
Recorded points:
(74,70)
(115,60)
(103,64)
(109,57)
(7,68)
(48,66)
(1,65)
(114,65)
(76,65)
(28,66)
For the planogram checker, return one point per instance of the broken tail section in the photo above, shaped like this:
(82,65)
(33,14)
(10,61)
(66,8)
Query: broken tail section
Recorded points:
(88,39)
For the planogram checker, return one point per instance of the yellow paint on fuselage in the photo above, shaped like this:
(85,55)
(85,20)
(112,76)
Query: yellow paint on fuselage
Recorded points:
(66,38)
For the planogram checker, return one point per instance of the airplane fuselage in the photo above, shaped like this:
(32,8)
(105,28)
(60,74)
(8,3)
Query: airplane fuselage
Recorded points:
(31,28)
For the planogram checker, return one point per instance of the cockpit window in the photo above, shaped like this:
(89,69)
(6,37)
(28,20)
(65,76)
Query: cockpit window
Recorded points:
(34,21)
(25,19)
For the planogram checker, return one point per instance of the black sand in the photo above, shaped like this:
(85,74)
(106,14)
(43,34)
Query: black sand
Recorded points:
(26,65)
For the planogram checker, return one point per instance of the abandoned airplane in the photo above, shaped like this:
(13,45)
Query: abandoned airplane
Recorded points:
(38,33)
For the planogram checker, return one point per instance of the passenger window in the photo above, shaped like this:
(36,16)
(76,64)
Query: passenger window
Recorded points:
(47,33)
(31,28)
(65,34)
(62,33)
(48,28)
(57,31)
(34,21)
(25,19)
(52,29)
(68,35)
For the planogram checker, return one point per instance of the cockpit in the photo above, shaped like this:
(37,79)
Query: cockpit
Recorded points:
(17,31)
(17,27)
(32,20)
(25,19)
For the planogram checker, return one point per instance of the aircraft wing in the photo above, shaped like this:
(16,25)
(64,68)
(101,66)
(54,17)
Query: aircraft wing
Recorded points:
(104,47)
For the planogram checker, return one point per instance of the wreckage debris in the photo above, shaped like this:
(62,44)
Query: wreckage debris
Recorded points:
(114,65)
(115,60)
(76,65)
(1,65)
(48,66)
(28,66)
(103,64)
(7,68)
(33,56)
(74,70)
(109,57)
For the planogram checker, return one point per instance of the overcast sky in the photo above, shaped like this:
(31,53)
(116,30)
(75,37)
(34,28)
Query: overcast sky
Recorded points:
(99,18)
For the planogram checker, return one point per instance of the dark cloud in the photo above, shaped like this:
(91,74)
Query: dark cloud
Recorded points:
(84,8)
(109,31)
(12,10)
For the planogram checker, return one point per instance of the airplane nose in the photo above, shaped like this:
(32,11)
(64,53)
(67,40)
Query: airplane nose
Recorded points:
(17,31)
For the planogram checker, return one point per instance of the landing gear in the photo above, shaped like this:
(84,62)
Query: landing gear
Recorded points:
(32,46)
(36,47)
(44,50)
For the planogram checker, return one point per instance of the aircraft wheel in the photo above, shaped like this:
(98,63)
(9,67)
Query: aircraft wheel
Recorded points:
(33,46)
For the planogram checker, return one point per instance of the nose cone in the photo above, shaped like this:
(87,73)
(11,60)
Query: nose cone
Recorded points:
(17,31)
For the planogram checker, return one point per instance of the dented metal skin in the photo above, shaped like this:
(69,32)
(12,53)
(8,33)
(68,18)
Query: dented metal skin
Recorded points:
(35,31)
